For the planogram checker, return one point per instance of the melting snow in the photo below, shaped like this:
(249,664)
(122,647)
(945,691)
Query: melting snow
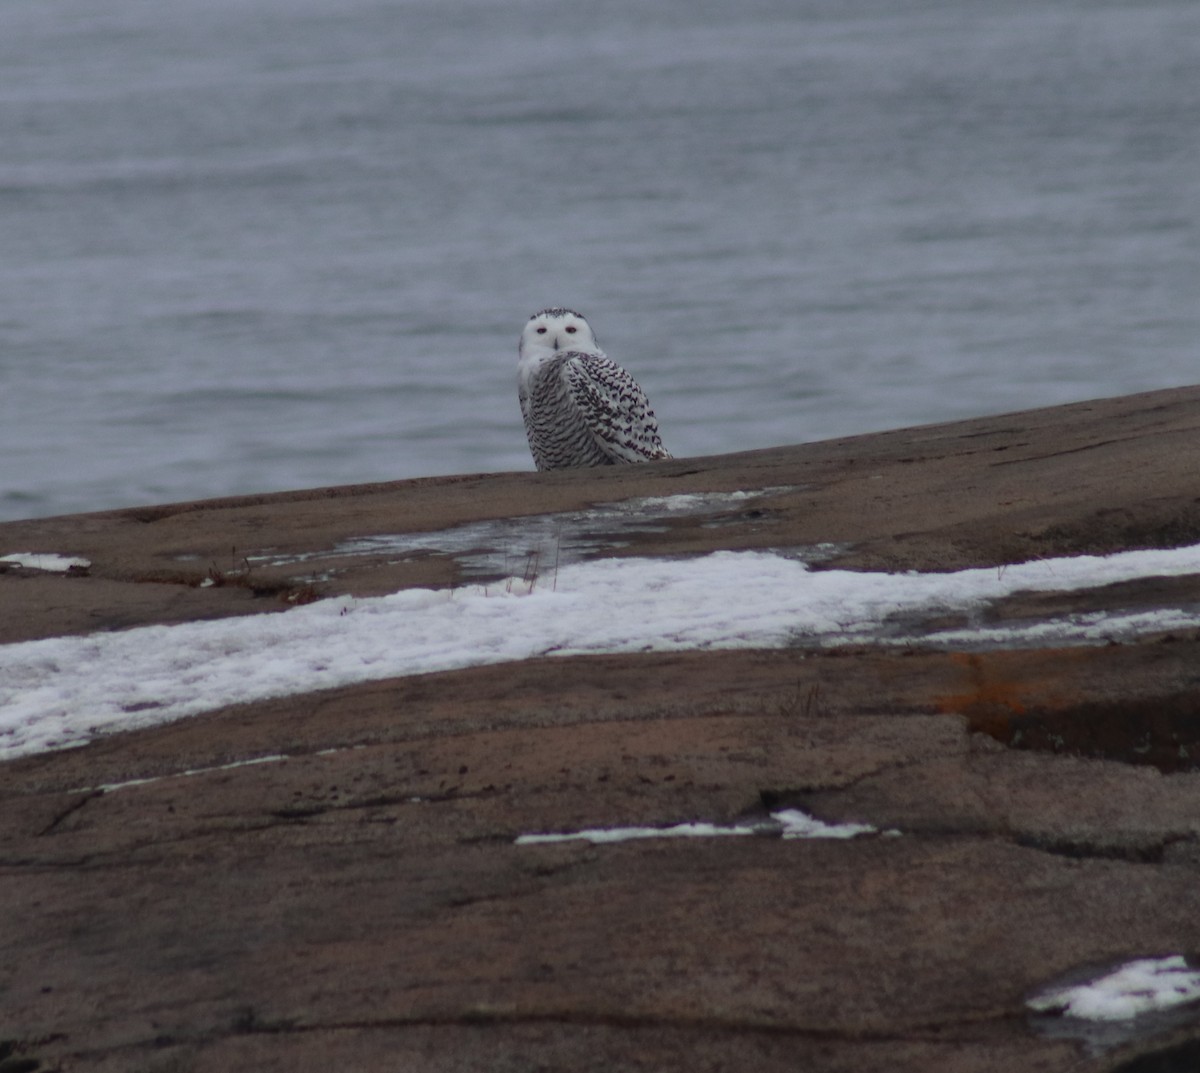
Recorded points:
(64,691)
(790,823)
(1135,988)
(58,564)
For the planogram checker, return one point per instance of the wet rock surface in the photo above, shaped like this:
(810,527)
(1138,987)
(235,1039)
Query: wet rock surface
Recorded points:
(333,879)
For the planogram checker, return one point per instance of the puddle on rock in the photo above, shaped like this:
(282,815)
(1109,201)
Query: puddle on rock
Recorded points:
(1160,732)
(512,547)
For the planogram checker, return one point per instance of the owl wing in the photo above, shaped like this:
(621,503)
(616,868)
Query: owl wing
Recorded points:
(613,408)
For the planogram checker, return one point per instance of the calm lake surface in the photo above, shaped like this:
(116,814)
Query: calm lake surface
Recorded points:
(253,245)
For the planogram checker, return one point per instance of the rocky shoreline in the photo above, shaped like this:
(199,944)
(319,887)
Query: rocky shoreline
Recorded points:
(332,877)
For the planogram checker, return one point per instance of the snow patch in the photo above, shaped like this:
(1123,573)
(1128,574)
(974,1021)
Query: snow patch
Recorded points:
(64,691)
(797,824)
(111,787)
(1143,986)
(57,564)
(790,823)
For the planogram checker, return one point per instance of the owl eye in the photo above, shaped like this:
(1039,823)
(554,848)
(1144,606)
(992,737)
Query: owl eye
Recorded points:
(541,331)
(570,329)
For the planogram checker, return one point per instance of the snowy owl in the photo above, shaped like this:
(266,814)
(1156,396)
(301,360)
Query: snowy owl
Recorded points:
(580,408)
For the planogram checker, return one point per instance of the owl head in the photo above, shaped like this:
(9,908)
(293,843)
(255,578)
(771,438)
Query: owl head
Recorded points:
(557,329)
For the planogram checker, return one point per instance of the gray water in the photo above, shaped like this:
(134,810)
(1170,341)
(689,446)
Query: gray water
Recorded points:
(252,245)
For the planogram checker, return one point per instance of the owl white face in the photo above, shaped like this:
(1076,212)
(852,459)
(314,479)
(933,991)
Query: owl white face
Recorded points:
(557,329)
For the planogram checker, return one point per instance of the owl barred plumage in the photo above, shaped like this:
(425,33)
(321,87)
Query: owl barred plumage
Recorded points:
(580,408)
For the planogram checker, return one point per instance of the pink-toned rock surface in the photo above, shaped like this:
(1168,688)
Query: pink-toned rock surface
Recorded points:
(357,900)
